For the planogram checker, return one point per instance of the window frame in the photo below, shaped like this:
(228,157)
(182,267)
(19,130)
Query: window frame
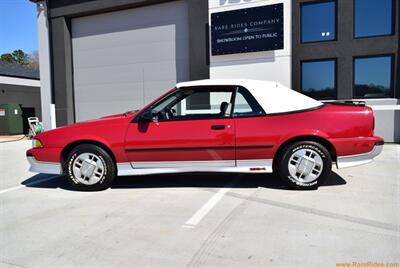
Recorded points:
(227,88)
(335,96)
(393,23)
(301,21)
(263,113)
(392,67)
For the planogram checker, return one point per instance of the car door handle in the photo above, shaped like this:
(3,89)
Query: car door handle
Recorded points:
(217,127)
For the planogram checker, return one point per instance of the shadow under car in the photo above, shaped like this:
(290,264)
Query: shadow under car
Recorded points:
(201,180)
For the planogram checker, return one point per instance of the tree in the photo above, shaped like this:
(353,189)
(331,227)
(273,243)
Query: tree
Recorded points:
(17,56)
(20,57)
(8,57)
(34,60)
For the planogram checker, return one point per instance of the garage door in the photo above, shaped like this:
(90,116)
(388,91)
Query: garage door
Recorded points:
(124,59)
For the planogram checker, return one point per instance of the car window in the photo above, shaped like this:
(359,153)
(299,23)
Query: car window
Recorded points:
(201,103)
(246,105)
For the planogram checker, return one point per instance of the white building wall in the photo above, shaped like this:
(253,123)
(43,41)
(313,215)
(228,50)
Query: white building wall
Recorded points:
(387,118)
(274,65)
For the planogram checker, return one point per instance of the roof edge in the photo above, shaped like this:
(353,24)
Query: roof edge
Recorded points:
(18,76)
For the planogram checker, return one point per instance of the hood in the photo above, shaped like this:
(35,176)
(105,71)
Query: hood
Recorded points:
(97,129)
(105,120)
(129,114)
(112,116)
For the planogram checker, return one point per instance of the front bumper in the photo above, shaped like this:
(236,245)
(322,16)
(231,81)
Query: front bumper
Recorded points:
(43,167)
(359,159)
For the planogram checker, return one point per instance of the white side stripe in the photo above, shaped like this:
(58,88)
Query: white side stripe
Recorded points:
(243,166)
(181,164)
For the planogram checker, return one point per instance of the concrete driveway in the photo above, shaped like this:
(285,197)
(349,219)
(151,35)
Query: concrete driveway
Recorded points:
(197,220)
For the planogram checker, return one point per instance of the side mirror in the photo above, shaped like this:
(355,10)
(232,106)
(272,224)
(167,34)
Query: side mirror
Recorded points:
(147,116)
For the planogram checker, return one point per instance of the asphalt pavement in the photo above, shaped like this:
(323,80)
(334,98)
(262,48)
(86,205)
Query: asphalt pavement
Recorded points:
(199,220)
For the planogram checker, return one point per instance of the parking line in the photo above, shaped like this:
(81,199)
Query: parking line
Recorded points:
(27,185)
(202,212)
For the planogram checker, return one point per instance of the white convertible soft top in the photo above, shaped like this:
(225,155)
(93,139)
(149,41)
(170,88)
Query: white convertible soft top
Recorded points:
(272,96)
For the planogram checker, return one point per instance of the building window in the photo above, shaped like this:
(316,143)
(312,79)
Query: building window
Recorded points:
(373,18)
(318,79)
(373,77)
(318,21)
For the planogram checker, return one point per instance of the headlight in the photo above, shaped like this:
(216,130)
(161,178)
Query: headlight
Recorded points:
(36,143)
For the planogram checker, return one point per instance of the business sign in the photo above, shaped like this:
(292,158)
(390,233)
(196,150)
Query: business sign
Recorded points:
(247,30)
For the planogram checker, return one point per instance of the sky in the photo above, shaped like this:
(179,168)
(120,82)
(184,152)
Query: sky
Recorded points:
(18,26)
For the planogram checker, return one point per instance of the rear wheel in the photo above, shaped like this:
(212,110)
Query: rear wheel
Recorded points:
(89,168)
(304,165)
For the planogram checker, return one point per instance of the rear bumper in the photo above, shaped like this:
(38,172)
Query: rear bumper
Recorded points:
(43,167)
(359,159)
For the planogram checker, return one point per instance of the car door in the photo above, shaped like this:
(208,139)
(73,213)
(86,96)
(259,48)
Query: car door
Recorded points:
(254,138)
(190,128)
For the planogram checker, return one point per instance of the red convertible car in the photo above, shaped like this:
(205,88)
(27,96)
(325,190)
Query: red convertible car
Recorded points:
(244,126)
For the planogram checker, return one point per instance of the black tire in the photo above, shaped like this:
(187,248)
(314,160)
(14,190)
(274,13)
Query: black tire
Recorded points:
(108,170)
(296,182)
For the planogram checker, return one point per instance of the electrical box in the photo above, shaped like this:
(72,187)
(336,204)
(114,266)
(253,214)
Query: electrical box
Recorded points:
(11,121)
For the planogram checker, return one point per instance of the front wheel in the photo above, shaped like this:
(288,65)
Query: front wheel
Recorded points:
(89,168)
(304,165)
